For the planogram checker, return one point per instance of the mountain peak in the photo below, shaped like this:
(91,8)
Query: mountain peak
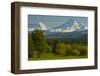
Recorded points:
(43,26)
(70,26)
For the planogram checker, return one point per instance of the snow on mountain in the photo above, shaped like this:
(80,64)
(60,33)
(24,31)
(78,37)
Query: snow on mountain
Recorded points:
(75,26)
(70,26)
(31,29)
(40,26)
(43,26)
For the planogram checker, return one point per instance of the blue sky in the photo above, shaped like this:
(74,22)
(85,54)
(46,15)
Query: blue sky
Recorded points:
(54,21)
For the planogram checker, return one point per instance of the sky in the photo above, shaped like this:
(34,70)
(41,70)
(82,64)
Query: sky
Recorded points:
(54,21)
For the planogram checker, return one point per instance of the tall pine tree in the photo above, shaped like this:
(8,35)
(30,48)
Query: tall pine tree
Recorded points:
(31,48)
(40,42)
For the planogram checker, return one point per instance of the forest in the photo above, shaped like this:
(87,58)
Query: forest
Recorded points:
(42,48)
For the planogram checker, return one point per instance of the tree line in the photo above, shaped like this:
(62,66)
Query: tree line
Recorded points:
(38,44)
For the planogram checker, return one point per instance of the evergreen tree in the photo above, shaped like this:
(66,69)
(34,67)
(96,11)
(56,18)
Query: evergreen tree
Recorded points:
(31,48)
(40,42)
(68,49)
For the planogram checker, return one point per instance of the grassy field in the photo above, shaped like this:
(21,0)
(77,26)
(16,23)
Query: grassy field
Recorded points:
(55,57)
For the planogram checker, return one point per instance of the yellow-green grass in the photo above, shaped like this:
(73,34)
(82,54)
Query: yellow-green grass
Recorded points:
(55,57)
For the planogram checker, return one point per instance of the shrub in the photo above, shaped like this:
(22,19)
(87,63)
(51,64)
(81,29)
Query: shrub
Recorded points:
(76,52)
(84,51)
(60,48)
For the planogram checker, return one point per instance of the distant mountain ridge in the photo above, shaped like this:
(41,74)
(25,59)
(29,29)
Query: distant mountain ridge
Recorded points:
(72,30)
(70,26)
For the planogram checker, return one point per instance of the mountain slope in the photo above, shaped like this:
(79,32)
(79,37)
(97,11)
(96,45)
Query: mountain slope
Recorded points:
(66,34)
(70,26)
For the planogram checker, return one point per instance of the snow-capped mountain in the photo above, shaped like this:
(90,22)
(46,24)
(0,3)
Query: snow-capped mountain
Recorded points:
(43,26)
(39,26)
(70,26)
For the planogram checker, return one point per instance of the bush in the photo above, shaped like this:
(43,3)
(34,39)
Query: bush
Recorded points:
(81,48)
(60,48)
(76,52)
(84,51)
